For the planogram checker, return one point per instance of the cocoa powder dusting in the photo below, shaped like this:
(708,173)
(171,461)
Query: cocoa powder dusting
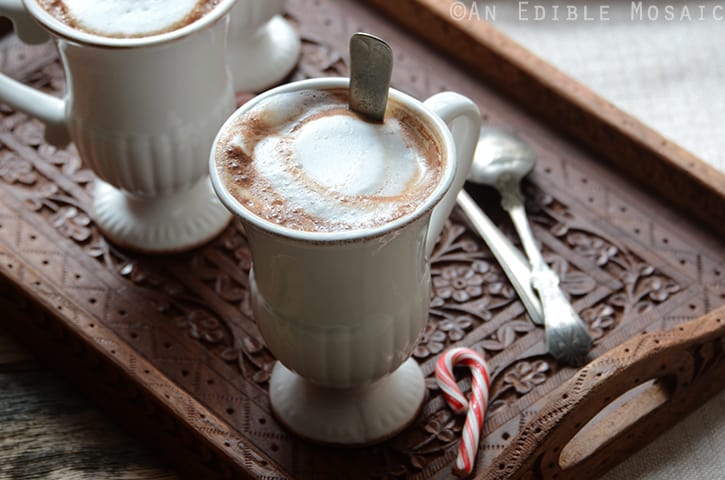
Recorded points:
(59,11)
(256,194)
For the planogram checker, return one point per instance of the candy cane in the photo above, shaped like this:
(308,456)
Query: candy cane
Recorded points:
(476,406)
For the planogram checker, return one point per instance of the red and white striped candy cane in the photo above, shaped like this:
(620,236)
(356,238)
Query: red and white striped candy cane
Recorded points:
(476,406)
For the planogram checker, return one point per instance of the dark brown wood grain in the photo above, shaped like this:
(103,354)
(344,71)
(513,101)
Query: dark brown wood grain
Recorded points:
(169,343)
(623,398)
(49,430)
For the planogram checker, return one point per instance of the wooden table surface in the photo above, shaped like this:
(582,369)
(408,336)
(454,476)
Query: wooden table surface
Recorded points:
(48,430)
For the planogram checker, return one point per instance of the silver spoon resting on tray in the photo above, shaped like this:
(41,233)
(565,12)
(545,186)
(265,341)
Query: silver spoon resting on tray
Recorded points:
(502,160)
(371,65)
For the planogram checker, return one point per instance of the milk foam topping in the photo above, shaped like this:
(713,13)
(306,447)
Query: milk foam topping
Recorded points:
(315,162)
(129,17)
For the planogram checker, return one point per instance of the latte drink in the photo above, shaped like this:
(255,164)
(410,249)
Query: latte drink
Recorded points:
(305,161)
(127,18)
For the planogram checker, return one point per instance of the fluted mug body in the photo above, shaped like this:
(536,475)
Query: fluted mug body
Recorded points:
(142,112)
(264,46)
(345,314)
(248,15)
(341,309)
(143,118)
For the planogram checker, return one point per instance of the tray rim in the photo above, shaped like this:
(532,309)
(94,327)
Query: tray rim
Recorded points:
(570,107)
(169,407)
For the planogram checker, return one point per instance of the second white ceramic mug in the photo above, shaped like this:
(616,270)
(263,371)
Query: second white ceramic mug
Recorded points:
(342,310)
(142,113)
(263,46)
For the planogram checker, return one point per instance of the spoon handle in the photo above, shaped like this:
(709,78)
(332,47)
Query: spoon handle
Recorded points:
(567,338)
(512,263)
(371,66)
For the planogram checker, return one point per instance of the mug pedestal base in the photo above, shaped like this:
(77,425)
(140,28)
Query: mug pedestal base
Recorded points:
(347,416)
(263,59)
(164,224)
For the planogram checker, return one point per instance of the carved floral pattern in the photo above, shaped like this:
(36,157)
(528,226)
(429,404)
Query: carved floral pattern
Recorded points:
(526,375)
(202,326)
(430,342)
(643,288)
(457,327)
(458,282)
(505,335)
(573,282)
(72,223)
(14,169)
(469,291)
(596,249)
(253,359)
(440,432)
(600,319)
(232,241)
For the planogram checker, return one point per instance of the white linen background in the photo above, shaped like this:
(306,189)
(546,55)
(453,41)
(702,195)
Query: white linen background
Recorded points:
(670,74)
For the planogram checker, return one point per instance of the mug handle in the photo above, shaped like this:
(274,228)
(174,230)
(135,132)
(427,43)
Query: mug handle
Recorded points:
(464,121)
(46,108)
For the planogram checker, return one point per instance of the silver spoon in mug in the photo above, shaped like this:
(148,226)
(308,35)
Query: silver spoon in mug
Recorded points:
(371,66)
(371,63)
(502,160)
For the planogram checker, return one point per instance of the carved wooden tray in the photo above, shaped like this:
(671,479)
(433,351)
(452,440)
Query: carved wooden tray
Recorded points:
(169,342)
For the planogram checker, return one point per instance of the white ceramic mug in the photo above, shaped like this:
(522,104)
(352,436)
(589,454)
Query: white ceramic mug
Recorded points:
(342,310)
(142,113)
(263,46)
